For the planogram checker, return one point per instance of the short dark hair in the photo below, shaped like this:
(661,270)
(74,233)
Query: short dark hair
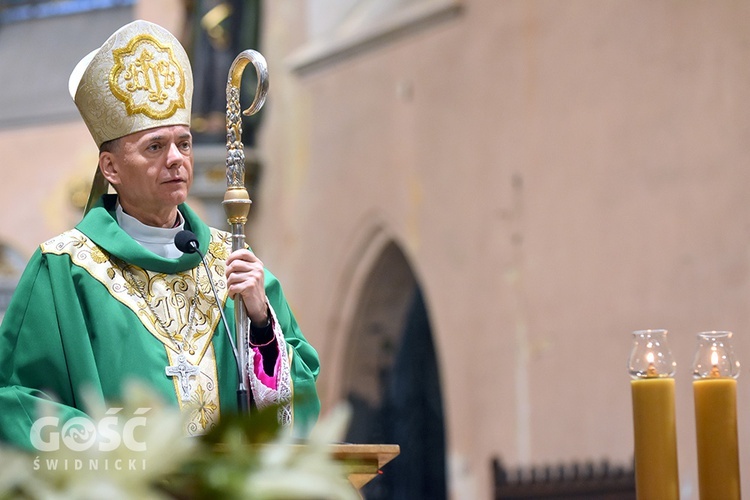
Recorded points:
(110,146)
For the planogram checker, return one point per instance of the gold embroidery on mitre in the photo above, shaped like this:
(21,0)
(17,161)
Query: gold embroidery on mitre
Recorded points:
(147,78)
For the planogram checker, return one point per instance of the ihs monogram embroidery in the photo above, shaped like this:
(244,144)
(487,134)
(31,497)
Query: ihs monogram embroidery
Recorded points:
(147,78)
(161,302)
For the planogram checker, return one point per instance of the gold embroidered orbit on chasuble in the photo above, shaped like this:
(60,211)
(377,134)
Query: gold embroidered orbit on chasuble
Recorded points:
(167,305)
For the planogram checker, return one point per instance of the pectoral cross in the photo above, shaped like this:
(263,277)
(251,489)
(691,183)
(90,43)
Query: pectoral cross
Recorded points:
(183,370)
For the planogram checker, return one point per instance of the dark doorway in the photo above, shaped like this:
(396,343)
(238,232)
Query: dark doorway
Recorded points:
(393,383)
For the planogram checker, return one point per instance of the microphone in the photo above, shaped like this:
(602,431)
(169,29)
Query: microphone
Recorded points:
(187,242)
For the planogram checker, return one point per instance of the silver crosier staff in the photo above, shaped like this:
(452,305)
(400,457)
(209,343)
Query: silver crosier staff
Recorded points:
(236,199)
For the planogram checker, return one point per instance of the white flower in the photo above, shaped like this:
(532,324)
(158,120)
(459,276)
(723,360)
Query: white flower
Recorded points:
(138,450)
(116,453)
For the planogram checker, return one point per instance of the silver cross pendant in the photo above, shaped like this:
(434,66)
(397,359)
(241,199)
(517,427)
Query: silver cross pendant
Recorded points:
(183,370)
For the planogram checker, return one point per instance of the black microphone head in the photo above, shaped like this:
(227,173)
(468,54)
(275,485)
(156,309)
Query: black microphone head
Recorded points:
(186,241)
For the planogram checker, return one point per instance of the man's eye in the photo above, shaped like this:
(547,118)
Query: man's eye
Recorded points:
(186,145)
(154,147)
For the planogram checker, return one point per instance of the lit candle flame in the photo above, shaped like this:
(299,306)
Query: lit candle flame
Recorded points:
(651,370)
(715,364)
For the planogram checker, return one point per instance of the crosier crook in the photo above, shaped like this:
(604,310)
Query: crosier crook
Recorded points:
(236,199)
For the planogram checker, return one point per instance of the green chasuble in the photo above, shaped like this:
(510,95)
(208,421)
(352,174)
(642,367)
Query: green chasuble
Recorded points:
(90,313)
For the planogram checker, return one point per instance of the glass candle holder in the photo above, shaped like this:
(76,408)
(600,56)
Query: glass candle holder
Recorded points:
(650,355)
(715,370)
(651,368)
(715,357)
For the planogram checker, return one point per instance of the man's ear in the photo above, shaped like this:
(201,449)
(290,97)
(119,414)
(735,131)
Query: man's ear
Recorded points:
(108,167)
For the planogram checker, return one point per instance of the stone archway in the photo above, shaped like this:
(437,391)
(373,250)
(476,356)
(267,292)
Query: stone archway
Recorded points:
(392,381)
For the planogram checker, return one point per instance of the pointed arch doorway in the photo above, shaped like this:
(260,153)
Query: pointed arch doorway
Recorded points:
(392,381)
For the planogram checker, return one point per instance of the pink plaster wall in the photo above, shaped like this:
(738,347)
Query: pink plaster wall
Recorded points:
(559,174)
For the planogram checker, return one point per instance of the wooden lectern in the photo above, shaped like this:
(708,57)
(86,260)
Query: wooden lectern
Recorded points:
(362,462)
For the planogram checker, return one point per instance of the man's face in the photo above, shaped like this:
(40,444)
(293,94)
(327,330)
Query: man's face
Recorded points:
(151,170)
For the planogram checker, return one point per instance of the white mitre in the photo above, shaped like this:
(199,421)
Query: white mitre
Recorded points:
(139,79)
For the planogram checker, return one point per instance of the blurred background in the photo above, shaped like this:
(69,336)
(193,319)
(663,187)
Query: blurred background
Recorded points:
(471,204)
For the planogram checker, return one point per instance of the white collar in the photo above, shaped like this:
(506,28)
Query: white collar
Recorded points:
(159,240)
